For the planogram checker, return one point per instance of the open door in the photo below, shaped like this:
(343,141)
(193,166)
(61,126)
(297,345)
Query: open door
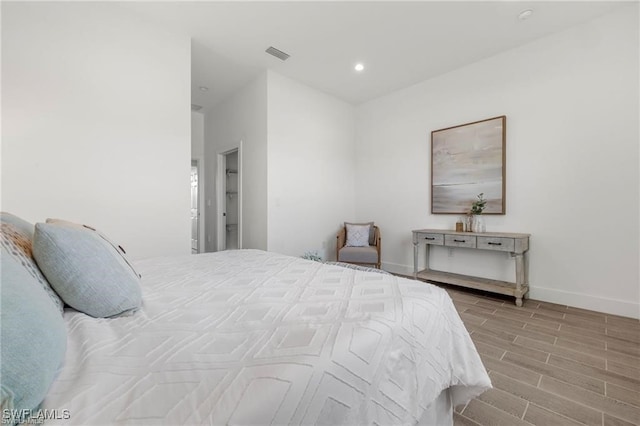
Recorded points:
(195,209)
(229,200)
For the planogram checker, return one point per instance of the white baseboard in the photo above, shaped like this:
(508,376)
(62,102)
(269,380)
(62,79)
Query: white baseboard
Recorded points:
(585,301)
(579,300)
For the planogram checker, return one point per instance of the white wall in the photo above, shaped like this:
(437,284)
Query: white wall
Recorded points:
(197,153)
(310,167)
(197,135)
(571,102)
(243,117)
(96,126)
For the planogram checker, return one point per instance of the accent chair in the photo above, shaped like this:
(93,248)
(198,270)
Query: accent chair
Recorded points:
(362,255)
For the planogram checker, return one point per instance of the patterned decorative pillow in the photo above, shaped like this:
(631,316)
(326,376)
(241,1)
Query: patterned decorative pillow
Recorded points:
(16,237)
(372,232)
(86,270)
(357,235)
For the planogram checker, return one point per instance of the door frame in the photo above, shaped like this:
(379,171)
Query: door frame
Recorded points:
(201,204)
(221,184)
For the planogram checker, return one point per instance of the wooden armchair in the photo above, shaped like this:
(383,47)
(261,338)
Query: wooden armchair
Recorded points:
(369,256)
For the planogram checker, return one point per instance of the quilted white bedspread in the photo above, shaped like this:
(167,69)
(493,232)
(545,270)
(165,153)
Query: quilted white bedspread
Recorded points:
(250,337)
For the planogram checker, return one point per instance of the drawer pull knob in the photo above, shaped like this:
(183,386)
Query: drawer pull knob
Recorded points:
(459,241)
(494,244)
(429,238)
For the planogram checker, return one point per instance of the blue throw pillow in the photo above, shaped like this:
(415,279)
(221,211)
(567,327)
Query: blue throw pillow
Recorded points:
(86,270)
(33,334)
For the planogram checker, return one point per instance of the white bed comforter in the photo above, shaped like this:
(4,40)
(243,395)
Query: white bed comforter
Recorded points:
(250,337)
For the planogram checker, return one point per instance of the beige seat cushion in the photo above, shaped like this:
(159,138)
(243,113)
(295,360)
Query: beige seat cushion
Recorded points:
(358,254)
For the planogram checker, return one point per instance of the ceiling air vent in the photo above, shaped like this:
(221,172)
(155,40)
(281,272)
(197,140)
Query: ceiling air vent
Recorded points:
(277,53)
(195,107)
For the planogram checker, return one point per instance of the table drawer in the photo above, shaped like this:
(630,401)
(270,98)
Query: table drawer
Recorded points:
(460,241)
(431,238)
(496,243)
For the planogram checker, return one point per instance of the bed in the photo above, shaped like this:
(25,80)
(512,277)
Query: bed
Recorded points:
(255,338)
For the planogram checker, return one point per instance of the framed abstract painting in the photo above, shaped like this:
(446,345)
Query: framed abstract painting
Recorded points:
(467,160)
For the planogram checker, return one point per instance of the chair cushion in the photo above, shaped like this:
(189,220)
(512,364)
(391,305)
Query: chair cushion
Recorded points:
(367,254)
(372,231)
(86,270)
(357,235)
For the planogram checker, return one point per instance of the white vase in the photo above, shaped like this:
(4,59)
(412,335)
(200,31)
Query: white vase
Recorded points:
(478,223)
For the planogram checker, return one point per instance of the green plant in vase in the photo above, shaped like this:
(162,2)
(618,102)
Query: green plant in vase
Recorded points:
(477,207)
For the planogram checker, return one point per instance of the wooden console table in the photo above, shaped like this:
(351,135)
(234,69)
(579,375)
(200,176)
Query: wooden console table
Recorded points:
(515,244)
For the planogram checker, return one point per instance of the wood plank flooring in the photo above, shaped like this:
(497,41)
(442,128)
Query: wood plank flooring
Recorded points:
(550,364)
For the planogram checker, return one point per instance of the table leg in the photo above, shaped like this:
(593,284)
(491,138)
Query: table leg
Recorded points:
(520,277)
(415,260)
(427,248)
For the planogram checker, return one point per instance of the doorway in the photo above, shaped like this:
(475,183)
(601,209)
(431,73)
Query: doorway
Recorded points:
(195,209)
(229,198)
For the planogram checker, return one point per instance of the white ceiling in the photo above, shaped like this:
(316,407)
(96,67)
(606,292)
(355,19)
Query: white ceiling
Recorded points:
(400,43)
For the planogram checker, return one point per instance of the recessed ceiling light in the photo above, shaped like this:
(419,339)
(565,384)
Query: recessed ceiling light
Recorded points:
(359,67)
(525,14)
(204,88)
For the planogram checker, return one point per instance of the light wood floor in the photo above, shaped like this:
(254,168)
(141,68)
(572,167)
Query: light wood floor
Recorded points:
(551,364)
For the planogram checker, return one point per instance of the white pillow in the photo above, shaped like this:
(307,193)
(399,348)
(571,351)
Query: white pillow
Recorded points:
(357,235)
(372,233)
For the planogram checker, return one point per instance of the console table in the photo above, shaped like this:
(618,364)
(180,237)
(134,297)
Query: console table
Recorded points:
(516,245)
